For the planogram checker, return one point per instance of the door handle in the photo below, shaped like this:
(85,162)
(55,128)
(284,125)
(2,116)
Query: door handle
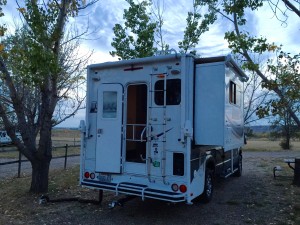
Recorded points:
(142,134)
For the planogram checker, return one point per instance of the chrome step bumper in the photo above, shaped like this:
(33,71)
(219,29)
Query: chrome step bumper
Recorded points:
(136,189)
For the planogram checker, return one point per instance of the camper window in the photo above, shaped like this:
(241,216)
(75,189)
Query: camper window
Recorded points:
(178,164)
(109,104)
(173,90)
(234,93)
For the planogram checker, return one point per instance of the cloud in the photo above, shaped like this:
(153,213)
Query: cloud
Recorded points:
(100,19)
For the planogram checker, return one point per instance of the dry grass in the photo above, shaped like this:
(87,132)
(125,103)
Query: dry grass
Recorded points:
(60,138)
(61,151)
(267,145)
(65,133)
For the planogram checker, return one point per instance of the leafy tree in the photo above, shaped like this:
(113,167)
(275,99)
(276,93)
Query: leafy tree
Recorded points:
(286,72)
(2,26)
(136,38)
(285,127)
(195,28)
(36,67)
(243,43)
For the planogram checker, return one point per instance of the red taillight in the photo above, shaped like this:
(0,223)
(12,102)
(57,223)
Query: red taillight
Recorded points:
(174,187)
(87,175)
(183,188)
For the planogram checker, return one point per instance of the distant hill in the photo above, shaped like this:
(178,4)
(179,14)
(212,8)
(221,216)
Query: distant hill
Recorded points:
(261,129)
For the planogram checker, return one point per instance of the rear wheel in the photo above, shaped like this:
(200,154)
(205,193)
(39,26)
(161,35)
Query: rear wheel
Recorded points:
(208,186)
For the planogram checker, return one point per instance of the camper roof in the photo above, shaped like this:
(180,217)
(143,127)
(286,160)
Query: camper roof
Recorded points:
(133,62)
(228,61)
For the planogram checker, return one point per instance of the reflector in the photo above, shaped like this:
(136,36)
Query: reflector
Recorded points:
(160,76)
(174,187)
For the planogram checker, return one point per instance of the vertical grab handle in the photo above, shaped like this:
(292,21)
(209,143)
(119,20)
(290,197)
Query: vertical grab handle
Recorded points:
(142,134)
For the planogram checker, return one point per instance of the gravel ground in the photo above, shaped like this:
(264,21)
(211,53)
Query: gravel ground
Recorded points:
(254,198)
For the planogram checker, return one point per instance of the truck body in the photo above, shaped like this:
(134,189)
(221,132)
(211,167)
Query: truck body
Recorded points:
(4,138)
(161,127)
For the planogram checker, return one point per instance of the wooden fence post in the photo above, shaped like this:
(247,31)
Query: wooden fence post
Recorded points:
(66,156)
(297,172)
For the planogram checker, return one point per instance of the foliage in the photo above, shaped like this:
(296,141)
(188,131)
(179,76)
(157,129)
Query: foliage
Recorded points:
(136,38)
(195,28)
(2,26)
(238,42)
(245,44)
(286,78)
(41,71)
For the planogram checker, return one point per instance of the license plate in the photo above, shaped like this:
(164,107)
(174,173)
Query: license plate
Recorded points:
(104,178)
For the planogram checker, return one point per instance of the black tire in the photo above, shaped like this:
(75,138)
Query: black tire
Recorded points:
(239,172)
(207,194)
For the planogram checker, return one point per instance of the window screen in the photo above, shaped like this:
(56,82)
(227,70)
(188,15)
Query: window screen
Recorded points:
(109,104)
(232,92)
(173,90)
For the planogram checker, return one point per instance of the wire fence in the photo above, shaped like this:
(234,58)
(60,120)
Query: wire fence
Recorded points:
(10,155)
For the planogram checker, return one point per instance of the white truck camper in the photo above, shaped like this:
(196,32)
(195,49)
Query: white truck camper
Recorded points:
(4,138)
(161,127)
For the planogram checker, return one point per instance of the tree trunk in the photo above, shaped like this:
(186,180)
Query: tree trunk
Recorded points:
(40,175)
(297,172)
(288,143)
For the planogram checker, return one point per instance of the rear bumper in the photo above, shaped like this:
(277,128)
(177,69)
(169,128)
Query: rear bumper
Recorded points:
(136,189)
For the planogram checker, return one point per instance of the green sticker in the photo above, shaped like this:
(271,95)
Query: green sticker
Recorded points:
(156,164)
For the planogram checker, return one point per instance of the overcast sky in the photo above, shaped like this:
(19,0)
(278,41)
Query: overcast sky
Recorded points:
(105,14)
(101,17)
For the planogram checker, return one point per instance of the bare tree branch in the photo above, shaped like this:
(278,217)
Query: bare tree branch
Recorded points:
(292,7)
